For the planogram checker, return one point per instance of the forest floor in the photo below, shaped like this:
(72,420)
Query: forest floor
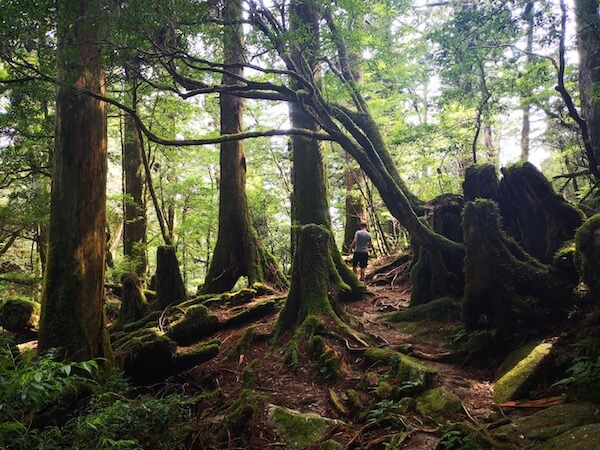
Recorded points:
(260,372)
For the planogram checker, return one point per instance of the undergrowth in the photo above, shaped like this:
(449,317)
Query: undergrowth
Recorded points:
(47,403)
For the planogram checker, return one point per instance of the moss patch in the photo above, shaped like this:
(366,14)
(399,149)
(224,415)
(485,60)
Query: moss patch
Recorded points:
(442,309)
(299,430)
(440,404)
(195,323)
(405,370)
(18,313)
(586,437)
(519,371)
(548,424)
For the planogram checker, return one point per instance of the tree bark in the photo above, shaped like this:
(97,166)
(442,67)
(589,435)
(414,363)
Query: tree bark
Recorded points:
(238,250)
(72,315)
(318,274)
(134,227)
(588,39)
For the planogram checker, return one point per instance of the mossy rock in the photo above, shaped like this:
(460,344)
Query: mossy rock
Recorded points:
(195,323)
(19,313)
(406,370)
(520,371)
(587,254)
(443,309)
(299,430)
(586,437)
(548,424)
(440,404)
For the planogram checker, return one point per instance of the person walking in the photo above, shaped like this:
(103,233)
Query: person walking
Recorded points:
(360,245)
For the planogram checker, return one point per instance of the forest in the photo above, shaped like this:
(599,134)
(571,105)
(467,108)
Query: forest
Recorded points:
(181,185)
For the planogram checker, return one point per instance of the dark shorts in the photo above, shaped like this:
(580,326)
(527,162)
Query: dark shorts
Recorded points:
(360,259)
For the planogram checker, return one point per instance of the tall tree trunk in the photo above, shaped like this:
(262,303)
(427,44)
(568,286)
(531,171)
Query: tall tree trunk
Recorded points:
(318,271)
(72,299)
(588,24)
(134,228)
(528,16)
(238,250)
(133,301)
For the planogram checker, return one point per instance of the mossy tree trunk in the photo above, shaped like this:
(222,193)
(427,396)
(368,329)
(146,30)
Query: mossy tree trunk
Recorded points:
(437,272)
(238,250)
(318,271)
(500,276)
(72,315)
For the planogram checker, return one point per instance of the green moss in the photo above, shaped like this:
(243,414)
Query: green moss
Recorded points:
(246,410)
(406,370)
(526,364)
(440,334)
(442,309)
(249,376)
(257,310)
(291,355)
(300,430)
(384,390)
(548,424)
(148,321)
(329,362)
(439,404)
(587,254)
(586,437)
(18,313)
(195,323)
(197,354)
(354,401)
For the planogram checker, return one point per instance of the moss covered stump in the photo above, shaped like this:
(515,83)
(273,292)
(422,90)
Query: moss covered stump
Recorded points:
(535,215)
(502,282)
(481,181)
(133,301)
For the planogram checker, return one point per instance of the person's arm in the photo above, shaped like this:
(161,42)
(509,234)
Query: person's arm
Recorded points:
(353,243)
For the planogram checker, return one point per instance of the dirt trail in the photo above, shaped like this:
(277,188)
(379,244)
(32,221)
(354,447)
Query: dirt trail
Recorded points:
(305,390)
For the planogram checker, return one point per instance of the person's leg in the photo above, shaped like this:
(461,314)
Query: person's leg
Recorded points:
(354,263)
(363,264)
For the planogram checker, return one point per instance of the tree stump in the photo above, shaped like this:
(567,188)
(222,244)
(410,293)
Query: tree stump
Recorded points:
(502,282)
(133,301)
(169,283)
(481,181)
(534,214)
